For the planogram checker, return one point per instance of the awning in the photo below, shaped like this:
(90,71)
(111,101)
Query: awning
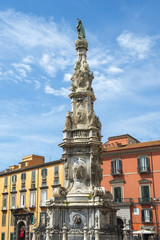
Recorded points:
(143,232)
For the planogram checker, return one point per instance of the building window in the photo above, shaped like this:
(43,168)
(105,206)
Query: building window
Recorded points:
(44,175)
(32,199)
(145,194)
(33,177)
(116,166)
(12,220)
(3,220)
(3,236)
(14,179)
(56,175)
(4,202)
(43,197)
(146,215)
(23,179)
(5,181)
(11,236)
(117,194)
(23,200)
(143,164)
(42,218)
(13,201)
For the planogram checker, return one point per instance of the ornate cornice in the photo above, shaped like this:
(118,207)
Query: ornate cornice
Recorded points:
(120,152)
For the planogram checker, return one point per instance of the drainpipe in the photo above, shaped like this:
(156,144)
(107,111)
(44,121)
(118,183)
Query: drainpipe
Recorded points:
(9,190)
(156,215)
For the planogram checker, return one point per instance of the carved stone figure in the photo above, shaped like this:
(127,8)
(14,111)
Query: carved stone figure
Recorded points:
(92,119)
(80,29)
(68,122)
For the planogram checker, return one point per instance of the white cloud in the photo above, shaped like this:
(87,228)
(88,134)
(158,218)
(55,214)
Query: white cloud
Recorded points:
(138,46)
(62,92)
(67,77)
(114,70)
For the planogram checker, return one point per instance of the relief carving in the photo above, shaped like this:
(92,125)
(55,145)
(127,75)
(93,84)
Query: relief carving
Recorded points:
(80,117)
(80,172)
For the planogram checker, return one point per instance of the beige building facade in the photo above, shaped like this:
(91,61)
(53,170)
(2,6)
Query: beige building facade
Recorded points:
(24,189)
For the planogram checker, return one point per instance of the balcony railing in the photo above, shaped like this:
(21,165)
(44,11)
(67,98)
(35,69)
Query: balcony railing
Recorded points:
(116,171)
(123,201)
(146,200)
(143,169)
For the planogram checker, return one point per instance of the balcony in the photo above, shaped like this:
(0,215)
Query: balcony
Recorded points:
(123,201)
(143,169)
(116,172)
(146,200)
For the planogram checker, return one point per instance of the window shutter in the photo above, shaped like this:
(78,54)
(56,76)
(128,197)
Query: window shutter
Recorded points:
(11,236)
(150,213)
(5,181)
(120,166)
(4,202)
(147,161)
(112,168)
(4,220)
(3,236)
(32,220)
(139,164)
(33,175)
(142,213)
(44,172)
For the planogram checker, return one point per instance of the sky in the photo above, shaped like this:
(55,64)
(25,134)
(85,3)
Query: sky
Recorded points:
(37,57)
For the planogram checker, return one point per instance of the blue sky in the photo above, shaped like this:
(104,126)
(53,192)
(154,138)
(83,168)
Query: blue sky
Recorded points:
(37,55)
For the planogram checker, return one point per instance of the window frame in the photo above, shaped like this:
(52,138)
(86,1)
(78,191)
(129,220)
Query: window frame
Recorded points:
(146,164)
(11,205)
(144,220)
(145,199)
(116,166)
(23,200)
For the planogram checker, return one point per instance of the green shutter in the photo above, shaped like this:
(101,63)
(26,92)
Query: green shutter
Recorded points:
(3,236)
(120,166)
(142,214)
(32,219)
(145,193)
(45,172)
(112,168)
(139,164)
(11,236)
(150,213)
(117,194)
(147,161)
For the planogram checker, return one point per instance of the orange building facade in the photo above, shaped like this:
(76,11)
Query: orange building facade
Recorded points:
(131,171)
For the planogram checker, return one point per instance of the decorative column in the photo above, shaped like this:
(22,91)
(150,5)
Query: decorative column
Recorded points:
(34,233)
(85,232)
(64,233)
